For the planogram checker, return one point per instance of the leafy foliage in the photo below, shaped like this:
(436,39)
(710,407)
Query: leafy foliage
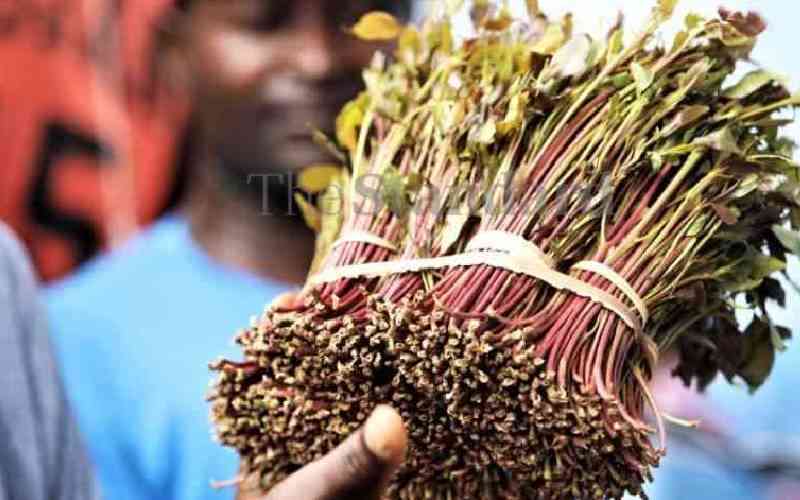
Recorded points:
(635,156)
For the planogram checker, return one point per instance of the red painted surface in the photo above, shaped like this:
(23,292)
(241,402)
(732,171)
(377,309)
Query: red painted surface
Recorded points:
(81,66)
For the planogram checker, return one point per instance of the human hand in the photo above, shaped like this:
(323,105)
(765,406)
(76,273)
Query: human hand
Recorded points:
(359,469)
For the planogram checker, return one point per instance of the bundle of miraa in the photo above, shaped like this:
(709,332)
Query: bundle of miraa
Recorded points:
(526,220)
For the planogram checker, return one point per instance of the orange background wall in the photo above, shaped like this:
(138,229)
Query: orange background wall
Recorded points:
(86,146)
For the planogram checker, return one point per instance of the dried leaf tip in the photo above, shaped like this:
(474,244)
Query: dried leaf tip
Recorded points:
(750,24)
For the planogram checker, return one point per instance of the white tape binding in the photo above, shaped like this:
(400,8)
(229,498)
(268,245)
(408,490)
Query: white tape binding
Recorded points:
(513,253)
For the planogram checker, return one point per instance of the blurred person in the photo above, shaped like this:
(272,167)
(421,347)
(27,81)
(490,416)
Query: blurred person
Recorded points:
(745,447)
(135,330)
(41,456)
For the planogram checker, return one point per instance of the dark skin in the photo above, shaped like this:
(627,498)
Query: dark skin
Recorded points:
(259,74)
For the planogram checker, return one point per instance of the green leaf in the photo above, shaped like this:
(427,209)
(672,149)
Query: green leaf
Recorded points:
(322,140)
(552,40)
(697,227)
(679,150)
(680,38)
(759,354)
(751,82)
(686,116)
(744,285)
(615,43)
(515,113)
(777,339)
(747,185)
(643,76)
(722,140)
(788,238)
(764,266)
(693,20)
(393,191)
(329,215)
(621,80)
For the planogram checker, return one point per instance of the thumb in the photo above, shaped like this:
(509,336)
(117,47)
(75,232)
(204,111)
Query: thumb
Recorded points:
(285,300)
(360,468)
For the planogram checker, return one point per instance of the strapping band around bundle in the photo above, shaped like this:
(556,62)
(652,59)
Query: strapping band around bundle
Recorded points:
(357,236)
(614,277)
(510,243)
(513,253)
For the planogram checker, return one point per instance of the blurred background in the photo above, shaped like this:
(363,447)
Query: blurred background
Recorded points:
(88,146)
(92,147)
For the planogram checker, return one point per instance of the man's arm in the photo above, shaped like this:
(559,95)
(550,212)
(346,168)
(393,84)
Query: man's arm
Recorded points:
(42,457)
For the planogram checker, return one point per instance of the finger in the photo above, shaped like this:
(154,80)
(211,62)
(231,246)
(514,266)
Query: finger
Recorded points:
(359,468)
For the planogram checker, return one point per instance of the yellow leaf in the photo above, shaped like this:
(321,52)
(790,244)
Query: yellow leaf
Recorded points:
(317,178)
(349,121)
(522,60)
(440,35)
(515,114)
(644,77)
(552,40)
(567,24)
(409,40)
(693,21)
(680,39)
(615,43)
(311,214)
(377,26)
(666,8)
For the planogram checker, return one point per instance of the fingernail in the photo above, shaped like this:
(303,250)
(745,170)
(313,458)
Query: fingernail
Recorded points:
(385,435)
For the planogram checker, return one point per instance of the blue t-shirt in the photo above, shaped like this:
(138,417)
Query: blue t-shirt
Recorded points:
(135,332)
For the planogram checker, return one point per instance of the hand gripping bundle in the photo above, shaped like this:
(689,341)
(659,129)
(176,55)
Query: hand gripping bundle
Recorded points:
(529,218)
